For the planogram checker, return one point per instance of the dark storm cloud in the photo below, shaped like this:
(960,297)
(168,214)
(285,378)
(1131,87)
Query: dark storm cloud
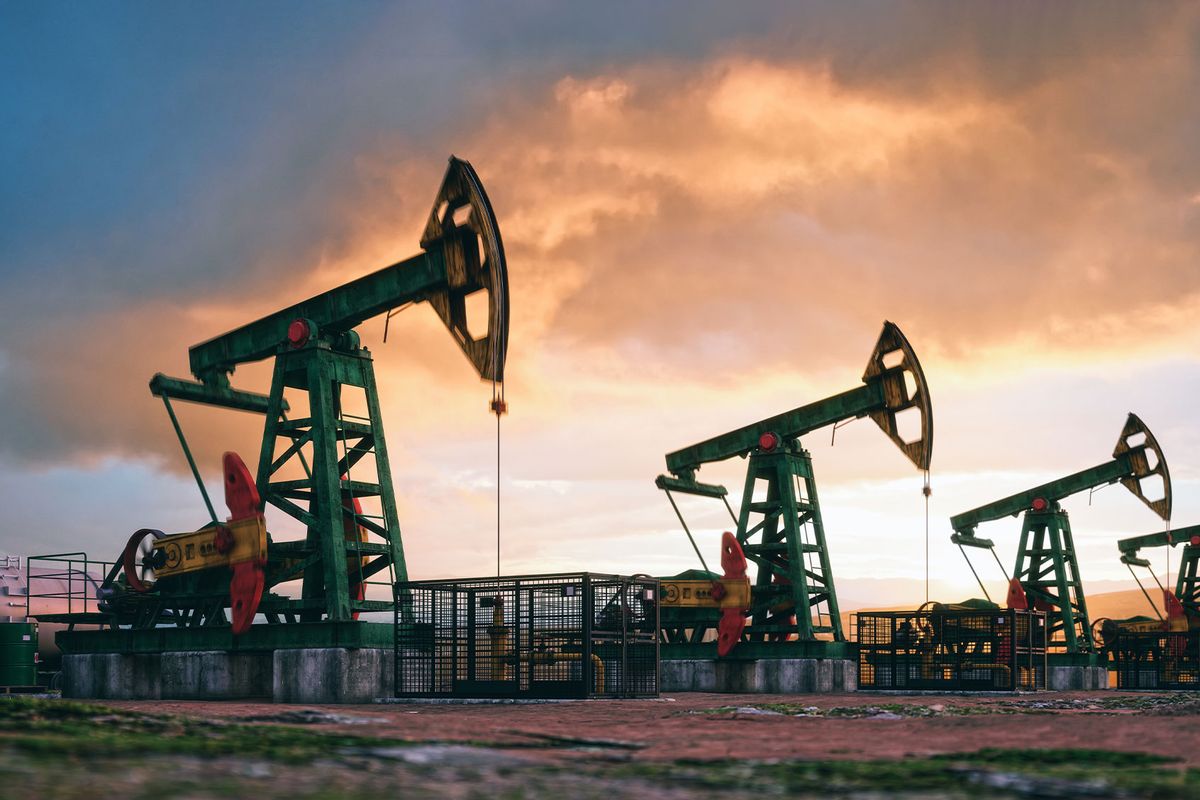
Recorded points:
(156,159)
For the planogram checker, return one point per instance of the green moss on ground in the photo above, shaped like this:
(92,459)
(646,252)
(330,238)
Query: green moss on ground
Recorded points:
(983,773)
(54,729)
(64,749)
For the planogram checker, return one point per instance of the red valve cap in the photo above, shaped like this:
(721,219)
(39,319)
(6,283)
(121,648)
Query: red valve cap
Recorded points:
(768,441)
(1040,504)
(298,333)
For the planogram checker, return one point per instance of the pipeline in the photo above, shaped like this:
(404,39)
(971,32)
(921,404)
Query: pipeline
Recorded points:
(504,657)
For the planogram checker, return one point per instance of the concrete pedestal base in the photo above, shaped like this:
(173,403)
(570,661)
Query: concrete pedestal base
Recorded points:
(316,675)
(1076,678)
(199,675)
(332,675)
(764,676)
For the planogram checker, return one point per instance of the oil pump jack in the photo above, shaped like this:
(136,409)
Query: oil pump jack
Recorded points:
(1046,575)
(181,584)
(1163,651)
(792,605)
(1181,605)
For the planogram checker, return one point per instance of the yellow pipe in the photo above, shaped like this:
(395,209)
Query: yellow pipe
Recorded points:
(553,657)
(499,636)
(503,655)
(1003,667)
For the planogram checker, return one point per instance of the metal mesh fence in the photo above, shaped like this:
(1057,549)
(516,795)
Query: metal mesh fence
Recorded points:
(577,635)
(1000,650)
(1157,660)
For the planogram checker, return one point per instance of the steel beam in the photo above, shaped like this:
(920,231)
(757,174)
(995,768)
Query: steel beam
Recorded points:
(224,397)
(789,425)
(1130,546)
(1101,475)
(334,311)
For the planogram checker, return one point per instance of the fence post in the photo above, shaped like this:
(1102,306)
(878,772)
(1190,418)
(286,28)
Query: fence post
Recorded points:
(589,606)
(657,589)
(1014,664)
(455,631)
(395,640)
(520,665)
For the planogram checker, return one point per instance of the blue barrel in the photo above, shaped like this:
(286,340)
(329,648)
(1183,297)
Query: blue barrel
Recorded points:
(18,653)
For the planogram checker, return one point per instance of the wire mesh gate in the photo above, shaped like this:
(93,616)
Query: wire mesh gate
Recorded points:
(579,635)
(1157,660)
(997,650)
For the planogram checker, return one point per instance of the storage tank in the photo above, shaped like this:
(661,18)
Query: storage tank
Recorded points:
(18,653)
(12,590)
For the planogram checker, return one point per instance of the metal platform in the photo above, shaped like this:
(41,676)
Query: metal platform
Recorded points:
(260,638)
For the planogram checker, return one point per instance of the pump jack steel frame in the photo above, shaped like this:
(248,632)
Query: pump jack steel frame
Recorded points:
(1158,652)
(318,353)
(1182,605)
(793,600)
(1046,574)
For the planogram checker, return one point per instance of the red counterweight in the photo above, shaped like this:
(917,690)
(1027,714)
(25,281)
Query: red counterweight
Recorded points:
(733,620)
(246,586)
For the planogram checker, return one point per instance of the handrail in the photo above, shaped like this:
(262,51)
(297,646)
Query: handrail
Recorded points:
(79,569)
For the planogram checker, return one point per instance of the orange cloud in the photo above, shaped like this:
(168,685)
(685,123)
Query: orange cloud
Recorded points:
(686,218)
(709,225)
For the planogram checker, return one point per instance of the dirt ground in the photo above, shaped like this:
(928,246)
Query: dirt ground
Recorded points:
(677,747)
(720,726)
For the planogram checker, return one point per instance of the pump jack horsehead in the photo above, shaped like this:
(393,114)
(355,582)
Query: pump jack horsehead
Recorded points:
(185,579)
(792,605)
(1046,575)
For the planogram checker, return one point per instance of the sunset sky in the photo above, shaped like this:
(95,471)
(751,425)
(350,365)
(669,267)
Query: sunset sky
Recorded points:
(709,210)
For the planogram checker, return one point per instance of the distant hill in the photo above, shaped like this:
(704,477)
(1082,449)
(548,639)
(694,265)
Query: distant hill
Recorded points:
(1128,603)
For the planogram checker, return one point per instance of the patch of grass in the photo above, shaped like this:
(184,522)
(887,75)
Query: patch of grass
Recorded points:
(62,728)
(1080,757)
(58,728)
(812,778)
(44,740)
(989,772)
(17,709)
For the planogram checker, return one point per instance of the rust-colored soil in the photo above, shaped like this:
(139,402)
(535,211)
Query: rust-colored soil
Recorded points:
(712,726)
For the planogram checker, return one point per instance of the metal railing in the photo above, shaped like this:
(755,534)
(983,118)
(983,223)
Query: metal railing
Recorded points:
(70,577)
